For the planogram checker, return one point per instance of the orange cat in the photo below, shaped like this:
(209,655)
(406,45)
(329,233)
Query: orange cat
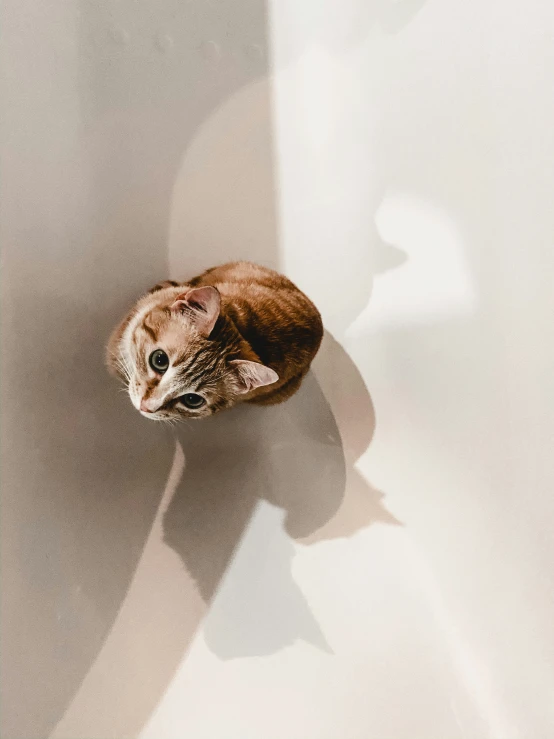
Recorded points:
(239,332)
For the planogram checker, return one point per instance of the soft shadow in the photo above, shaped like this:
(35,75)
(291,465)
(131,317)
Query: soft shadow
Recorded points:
(348,396)
(290,456)
(388,256)
(232,462)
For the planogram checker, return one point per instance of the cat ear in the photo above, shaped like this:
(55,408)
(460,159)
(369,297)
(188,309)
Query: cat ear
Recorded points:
(252,375)
(201,305)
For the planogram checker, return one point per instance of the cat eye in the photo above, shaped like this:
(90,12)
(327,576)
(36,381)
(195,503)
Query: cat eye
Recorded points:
(192,400)
(158,360)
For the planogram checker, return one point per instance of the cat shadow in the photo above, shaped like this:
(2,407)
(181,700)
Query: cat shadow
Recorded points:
(257,480)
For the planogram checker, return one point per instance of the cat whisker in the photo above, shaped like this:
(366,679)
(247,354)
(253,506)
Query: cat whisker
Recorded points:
(124,369)
(124,364)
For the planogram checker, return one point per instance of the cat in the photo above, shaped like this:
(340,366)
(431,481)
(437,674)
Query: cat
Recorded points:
(238,332)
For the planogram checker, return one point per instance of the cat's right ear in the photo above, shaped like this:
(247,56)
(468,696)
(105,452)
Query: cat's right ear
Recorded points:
(252,375)
(201,305)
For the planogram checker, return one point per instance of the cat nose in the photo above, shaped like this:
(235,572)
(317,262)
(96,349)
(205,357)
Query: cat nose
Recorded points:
(147,406)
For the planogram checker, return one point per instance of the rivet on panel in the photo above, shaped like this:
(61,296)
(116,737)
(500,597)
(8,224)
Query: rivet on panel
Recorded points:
(210,51)
(254,51)
(163,42)
(120,36)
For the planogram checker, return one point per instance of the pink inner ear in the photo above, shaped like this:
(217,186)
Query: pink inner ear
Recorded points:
(253,375)
(201,305)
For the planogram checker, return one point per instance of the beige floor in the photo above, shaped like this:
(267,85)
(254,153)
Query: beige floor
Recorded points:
(371,560)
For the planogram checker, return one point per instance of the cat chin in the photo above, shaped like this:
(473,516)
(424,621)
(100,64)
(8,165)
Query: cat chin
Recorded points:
(172,419)
(153,416)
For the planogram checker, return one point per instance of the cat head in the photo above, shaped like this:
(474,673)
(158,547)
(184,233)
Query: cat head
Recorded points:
(178,360)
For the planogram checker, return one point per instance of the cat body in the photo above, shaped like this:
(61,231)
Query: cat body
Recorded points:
(238,332)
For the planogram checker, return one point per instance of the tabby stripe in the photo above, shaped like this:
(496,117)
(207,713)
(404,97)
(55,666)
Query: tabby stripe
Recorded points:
(181,360)
(149,330)
(203,371)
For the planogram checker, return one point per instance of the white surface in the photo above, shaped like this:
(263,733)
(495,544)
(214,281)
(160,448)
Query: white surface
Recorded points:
(398,163)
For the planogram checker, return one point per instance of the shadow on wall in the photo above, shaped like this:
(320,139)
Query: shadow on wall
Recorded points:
(292,457)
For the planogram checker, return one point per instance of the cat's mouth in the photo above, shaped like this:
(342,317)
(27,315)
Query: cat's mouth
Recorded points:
(155,416)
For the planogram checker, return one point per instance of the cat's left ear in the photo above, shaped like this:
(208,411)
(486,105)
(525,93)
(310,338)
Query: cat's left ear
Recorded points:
(201,305)
(252,375)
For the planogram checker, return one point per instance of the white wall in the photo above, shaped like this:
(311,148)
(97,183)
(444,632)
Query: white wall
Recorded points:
(374,558)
